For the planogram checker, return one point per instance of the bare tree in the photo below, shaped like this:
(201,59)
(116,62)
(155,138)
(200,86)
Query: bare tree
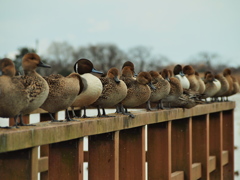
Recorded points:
(103,56)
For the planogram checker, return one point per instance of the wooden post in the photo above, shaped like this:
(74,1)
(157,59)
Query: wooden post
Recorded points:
(215,138)
(44,149)
(132,155)
(66,160)
(200,143)
(103,156)
(228,143)
(159,151)
(19,165)
(182,147)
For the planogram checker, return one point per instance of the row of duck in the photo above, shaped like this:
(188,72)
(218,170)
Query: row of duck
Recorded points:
(123,89)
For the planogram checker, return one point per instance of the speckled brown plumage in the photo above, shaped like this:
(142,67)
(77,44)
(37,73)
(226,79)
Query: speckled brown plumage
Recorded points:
(62,91)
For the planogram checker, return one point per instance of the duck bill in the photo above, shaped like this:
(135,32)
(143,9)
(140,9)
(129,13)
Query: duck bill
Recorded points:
(151,86)
(116,79)
(181,73)
(96,71)
(135,74)
(1,72)
(41,64)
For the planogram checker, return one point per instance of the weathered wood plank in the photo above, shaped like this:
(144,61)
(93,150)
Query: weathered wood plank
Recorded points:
(43,164)
(47,133)
(182,147)
(132,155)
(103,156)
(212,164)
(159,151)
(21,164)
(200,140)
(66,160)
(228,144)
(178,175)
(196,171)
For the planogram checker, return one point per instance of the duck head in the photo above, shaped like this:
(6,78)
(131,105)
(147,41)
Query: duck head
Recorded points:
(129,63)
(210,77)
(7,67)
(31,61)
(226,72)
(188,70)
(165,74)
(85,66)
(128,71)
(113,73)
(178,70)
(145,78)
(155,75)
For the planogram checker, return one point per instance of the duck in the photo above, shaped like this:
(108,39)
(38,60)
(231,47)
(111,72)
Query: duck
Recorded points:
(92,85)
(189,71)
(114,91)
(29,90)
(12,92)
(236,87)
(62,92)
(227,74)
(186,101)
(224,86)
(211,87)
(178,73)
(201,83)
(138,90)
(162,89)
(129,63)
(176,89)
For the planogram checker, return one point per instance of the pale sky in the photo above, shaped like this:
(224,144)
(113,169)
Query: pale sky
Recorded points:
(177,29)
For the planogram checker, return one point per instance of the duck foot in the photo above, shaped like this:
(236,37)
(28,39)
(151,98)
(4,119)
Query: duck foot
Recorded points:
(68,117)
(8,127)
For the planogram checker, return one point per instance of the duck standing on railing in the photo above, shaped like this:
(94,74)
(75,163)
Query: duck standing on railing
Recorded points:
(224,86)
(62,92)
(92,86)
(176,89)
(190,74)
(138,90)
(21,95)
(211,87)
(227,74)
(114,91)
(162,90)
(178,73)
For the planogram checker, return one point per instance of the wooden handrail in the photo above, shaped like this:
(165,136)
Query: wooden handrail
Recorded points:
(182,144)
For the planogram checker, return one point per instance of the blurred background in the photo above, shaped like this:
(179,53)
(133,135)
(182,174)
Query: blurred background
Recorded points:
(151,33)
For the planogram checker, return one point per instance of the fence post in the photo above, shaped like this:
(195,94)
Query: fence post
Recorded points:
(215,138)
(66,160)
(159,151)
(200,143)
(103,156)
(228,143)
(132,155)
(19,165)
(182,146)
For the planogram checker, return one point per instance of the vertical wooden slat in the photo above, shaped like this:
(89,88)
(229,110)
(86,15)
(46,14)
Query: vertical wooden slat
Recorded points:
(182,146)
(215,139)
(66,160)
(200,143)
(132,156)
(159,151)
(44,149)
(103,156)
(25,119)
(19,165)
(228,143)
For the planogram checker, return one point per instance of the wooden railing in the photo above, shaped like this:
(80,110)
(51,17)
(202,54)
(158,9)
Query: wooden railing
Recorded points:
(181,144)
